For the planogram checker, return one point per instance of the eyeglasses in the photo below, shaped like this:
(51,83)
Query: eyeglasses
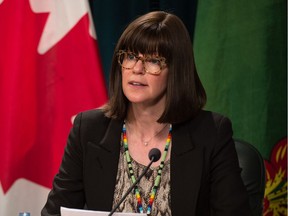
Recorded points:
(152,64)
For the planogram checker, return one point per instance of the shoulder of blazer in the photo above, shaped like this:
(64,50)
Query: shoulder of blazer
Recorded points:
(96,128)
(201,130)
(208,120)
(91,123)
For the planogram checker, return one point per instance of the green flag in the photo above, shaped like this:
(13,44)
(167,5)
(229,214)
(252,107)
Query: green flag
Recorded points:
(240,52)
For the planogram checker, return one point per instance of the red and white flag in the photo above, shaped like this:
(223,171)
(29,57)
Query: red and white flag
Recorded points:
(49,71)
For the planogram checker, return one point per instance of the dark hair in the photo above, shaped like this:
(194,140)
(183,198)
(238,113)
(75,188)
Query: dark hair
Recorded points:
(164,33)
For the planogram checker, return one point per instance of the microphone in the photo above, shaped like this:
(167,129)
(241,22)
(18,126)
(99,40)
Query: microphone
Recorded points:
(154,155)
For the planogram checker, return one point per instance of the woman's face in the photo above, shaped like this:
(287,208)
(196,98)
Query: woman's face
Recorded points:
(144,88)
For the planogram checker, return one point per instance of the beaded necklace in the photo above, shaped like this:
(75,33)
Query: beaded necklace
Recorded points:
(159,171)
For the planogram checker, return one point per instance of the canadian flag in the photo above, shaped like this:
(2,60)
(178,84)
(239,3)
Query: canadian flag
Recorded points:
(49,71)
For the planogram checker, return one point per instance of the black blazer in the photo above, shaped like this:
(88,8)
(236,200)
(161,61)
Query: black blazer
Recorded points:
(205,173)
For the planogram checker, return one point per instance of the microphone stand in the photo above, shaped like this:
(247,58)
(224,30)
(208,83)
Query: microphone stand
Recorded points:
(133,185)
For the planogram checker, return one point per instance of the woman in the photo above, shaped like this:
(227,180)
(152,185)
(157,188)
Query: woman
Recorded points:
(156,101)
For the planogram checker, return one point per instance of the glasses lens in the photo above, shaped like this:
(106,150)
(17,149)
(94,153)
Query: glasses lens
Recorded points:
(127,60)
(153,65)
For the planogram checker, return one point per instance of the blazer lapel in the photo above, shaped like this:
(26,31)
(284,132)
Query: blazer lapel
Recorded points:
(186,170)
(102,158)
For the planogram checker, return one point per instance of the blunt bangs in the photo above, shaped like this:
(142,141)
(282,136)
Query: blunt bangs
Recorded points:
(151,39)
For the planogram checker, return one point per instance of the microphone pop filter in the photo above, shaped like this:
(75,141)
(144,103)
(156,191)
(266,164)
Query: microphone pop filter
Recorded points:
(154,154)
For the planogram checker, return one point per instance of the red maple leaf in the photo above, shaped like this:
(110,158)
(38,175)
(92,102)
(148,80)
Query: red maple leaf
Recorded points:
(39,94)
(275,200)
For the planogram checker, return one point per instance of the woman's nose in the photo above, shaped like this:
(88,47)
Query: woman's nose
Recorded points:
(139,67)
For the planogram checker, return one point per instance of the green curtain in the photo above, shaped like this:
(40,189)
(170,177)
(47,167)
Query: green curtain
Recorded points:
(240,51)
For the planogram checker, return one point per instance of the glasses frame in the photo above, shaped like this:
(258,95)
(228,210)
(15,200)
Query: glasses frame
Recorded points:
(162,61)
